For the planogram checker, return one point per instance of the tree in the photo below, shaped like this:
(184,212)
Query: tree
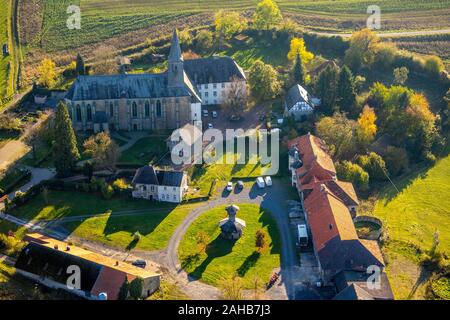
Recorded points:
(299,75)
(88,169)
(385,55)
(202,239)
(233,289)
(366,128)
(47,73)
(236,99)
(136,287)
(263,79)
(298,47)
(65,151)
(204,40)
(104,151)
(434,65)
(326,88)
(351,172)
(228,24)
(185,37)
(396,159)
(400,75)
(346,93)
(339,134)
(374,165)
(124,289)
(267,15)
(261,241)
(362,49)
(80,66)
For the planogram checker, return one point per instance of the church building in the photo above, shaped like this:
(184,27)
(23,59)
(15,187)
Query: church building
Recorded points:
(168,100)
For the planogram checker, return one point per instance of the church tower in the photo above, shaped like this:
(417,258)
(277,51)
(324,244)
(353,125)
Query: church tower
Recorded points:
(176,70)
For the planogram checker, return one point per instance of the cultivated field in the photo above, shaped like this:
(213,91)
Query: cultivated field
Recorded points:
(103,19)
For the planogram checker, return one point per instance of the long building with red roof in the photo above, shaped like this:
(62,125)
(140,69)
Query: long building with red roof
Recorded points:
(330,206)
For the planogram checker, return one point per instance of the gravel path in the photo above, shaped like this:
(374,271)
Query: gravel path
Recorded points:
(273,199)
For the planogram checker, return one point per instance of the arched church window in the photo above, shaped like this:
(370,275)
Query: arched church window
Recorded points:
(89,112)
(134,107)
(147,109)
(158,109)
(78,113)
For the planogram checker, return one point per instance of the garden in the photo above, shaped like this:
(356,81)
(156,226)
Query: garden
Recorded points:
(206,256)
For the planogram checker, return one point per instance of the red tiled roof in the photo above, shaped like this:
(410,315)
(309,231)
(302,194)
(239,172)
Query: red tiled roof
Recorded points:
(313,151)
(328,217)
(109,281)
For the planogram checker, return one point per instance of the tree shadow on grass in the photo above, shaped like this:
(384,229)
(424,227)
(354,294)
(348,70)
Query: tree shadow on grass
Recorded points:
(219,247)
(249,263)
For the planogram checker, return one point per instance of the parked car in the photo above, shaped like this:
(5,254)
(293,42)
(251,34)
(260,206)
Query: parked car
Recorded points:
(215,114)
(260,182)
(230,186)
(210,126)
(205,113)
(140,264)
(268,181)
(240,185)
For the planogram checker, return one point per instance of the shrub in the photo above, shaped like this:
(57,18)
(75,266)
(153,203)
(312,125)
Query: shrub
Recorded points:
(441,288)
(261,242)
(107,191)
(396,159)
(120,185)
(351,172)
(374,165)
(10,246)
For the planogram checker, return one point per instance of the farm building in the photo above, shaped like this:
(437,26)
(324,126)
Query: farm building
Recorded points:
(298,103)
(48,261)
(330,206)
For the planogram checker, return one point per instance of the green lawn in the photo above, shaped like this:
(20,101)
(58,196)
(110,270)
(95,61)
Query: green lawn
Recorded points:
(203,175)
(144,151)
(412,217)
(155,226)
(155,221)
(225,258)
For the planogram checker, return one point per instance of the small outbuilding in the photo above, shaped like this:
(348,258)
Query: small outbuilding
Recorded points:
(232,227)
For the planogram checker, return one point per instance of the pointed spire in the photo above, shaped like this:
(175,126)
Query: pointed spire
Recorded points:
(175,50)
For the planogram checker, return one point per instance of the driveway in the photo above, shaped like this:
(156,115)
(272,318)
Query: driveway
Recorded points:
(273,199)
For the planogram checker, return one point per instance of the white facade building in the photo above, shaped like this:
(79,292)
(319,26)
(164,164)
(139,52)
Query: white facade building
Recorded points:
(159,185)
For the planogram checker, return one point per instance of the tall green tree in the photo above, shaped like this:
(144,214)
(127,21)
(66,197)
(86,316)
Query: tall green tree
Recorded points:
(346,93)
(299,75)
(80,67)
(136,287)
(65,146)
(267,15)
(326,88)
(263,79)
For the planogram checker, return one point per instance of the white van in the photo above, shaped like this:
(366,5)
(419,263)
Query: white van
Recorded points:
(302,239)
(260,182)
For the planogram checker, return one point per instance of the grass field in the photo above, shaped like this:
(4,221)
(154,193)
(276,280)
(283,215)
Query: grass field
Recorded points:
(225,258)
(144,151)
(156,222)
(412,217)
